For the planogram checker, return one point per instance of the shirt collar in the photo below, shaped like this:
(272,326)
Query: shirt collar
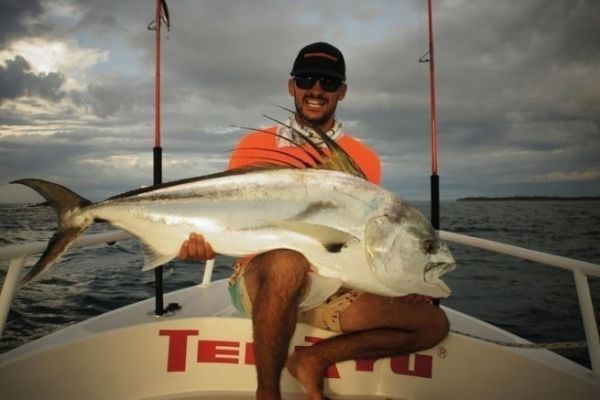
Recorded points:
(286,133)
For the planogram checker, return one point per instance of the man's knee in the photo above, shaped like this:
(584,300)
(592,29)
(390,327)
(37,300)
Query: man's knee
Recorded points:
(437,327)
(284,256)
(283,271)
(288,264)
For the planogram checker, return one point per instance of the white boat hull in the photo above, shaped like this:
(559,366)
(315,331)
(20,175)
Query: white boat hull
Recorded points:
(205,351)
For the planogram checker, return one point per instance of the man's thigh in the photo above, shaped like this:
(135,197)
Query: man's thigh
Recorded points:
(281,268)
(371,311)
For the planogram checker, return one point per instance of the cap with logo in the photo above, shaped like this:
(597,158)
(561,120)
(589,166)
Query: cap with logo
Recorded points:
(321,59)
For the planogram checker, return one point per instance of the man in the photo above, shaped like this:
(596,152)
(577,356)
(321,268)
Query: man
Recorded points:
(278,288)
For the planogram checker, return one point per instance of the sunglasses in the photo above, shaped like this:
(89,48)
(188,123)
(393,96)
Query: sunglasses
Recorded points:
(327,84)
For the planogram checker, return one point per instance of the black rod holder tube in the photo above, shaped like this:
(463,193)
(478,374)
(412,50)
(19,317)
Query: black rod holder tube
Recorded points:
(158,271)
(435,201)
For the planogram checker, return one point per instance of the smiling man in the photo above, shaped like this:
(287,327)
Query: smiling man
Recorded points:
(317,84)
(277,289)
(322,64)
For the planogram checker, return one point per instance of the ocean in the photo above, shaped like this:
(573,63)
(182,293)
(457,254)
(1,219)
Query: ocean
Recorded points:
(536,302)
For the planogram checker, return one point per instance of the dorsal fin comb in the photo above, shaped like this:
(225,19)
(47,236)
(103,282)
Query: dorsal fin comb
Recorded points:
(335,158)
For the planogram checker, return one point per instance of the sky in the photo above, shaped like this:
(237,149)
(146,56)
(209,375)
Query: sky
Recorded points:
(517,81)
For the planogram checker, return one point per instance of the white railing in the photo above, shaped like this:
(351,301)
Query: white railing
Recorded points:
(581,270)
(17,254)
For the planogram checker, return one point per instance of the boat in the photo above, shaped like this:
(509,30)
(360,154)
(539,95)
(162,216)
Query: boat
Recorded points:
(202,348)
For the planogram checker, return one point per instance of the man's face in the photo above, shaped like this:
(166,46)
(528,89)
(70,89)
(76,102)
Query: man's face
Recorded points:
(315,104)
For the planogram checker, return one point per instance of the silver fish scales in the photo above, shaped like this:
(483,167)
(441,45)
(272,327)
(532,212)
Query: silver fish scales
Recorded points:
(350,230)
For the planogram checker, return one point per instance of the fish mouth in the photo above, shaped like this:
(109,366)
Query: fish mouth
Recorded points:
(439,267)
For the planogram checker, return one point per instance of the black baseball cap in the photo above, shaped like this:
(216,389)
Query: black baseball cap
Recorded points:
(321,59)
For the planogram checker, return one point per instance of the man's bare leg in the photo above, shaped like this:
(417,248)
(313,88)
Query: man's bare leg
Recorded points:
(375,327)
(274,281)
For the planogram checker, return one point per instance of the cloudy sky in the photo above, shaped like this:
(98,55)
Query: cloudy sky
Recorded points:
(518,85)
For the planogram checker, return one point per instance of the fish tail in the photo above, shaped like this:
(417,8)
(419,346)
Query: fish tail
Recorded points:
(65,203)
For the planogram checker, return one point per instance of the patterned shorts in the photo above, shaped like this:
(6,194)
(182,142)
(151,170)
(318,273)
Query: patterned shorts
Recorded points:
(325,316)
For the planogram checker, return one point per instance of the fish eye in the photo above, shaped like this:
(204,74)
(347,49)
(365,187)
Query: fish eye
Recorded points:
(429,246)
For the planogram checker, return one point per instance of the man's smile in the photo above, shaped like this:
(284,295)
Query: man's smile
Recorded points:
(315,103)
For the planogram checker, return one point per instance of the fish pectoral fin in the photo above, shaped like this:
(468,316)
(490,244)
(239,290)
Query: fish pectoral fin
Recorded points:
(332,239)
(153,258)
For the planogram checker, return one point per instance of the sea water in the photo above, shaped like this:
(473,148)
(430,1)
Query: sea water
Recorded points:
(536,302)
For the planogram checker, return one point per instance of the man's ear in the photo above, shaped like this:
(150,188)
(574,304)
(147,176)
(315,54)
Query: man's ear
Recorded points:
(292,87)
(342,92)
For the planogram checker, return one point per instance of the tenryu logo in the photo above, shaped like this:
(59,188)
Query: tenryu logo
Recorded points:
(235,352)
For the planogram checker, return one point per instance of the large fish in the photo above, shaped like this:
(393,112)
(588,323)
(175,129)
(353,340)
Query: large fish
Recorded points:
(350,230)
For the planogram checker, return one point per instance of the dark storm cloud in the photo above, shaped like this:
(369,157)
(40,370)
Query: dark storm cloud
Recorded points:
(567,29)
(518,94)
(20,18)
(16,80)
(226,57)
(503,49)
(112,96)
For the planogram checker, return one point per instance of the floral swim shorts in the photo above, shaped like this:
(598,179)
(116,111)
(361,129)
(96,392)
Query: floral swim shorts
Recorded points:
(324,316)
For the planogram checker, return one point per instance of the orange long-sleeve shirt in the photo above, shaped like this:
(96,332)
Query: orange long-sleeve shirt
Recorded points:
(259,145)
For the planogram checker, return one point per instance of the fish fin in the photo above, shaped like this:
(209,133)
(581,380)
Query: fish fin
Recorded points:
(336,160)
(270,162)
(153,258)
(315,155)
(63,200)
(66,203)
(57,246)
(333,240)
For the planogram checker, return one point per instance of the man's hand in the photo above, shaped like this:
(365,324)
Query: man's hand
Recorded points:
(196,249)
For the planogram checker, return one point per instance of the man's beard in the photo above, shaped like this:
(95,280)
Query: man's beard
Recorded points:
(314,121)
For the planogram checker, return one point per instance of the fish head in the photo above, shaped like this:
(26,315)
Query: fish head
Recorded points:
(401,245)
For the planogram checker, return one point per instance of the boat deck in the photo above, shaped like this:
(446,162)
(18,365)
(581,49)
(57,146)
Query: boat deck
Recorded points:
(205,350)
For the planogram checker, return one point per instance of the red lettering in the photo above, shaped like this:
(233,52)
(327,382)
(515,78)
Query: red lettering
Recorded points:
(218,351)
(423,365)
(250,359)
(228,352)
(365,364)
(177,347)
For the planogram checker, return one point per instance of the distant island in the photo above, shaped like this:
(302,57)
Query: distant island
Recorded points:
(531,198)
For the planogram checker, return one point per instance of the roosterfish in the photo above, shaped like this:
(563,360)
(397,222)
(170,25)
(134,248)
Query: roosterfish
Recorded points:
(354,233)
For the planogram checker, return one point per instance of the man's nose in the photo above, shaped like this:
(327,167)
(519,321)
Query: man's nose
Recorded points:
(317,87)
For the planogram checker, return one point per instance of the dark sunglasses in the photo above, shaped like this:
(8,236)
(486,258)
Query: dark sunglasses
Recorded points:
(327,84)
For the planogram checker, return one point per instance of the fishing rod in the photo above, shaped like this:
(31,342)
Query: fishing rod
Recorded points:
(162,14)
(434,179)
